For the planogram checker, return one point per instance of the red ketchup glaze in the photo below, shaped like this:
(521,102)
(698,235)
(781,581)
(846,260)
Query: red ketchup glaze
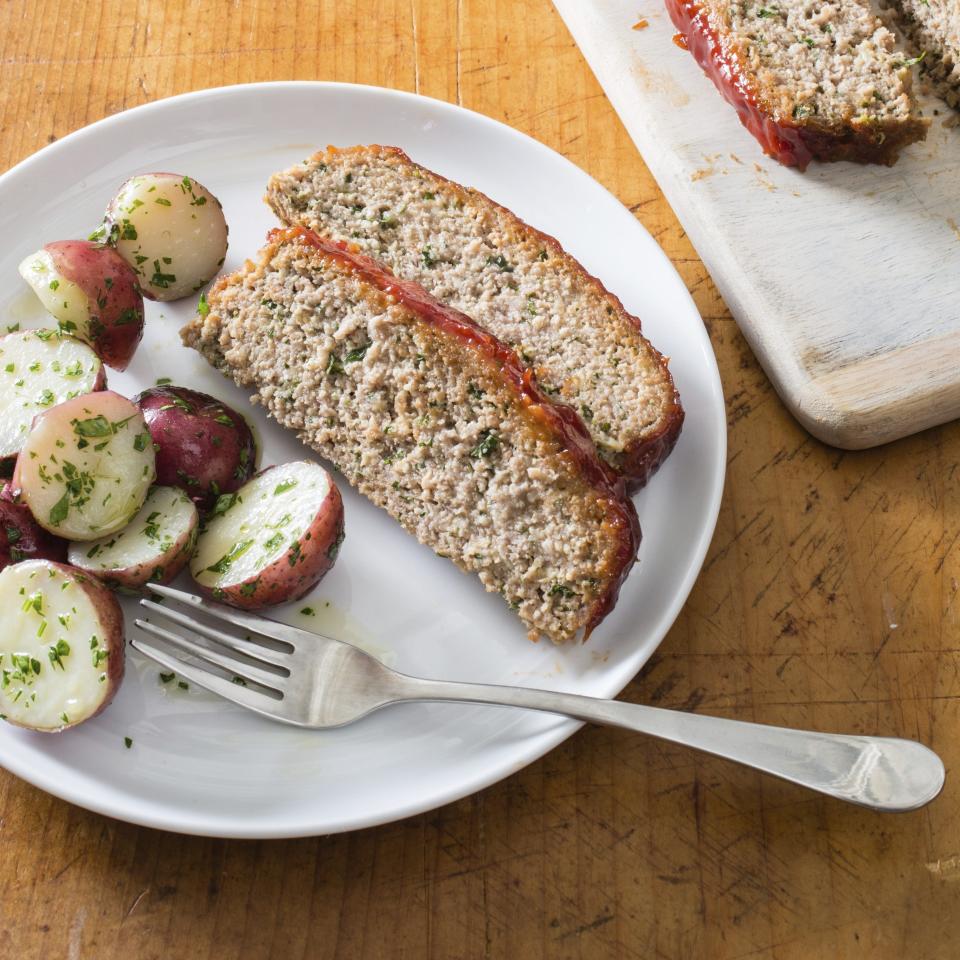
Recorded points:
(559,419)
(641,458)
(783,142)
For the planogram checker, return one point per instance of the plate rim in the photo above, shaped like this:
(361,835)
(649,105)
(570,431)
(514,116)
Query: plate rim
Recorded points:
(103,802)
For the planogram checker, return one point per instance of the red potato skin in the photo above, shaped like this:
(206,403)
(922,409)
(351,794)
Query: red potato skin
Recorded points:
(29,541)
(116,304)
(134,580)
(111,616)
(201,456)
(289,578)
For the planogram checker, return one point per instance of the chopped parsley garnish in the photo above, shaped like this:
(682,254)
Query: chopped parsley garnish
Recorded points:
(284,486)
(273,542)
(98,426)
(59,511)
(489,443)
(357,353)
(501,262)
(127,742)
(224,502)
(35,601)
(57,652)
(161,279)
(203,308)
(234,553)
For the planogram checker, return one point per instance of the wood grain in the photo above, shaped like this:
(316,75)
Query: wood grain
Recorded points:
(829,600)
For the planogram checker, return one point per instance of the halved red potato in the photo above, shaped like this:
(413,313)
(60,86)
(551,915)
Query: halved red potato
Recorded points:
(203,446)
(153,548)
(21,537)
(170,229)
(274,539)
(92,292)
(86,466)
(62,646)
(39,369)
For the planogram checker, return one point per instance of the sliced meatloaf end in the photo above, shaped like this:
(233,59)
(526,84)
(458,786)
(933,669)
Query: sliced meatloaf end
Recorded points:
(515,281)
(431,418)
(934,26)
(810,79)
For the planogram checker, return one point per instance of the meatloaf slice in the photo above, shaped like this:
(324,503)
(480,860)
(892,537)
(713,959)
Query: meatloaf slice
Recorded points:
(810,79)
(513,280)
(431,418)
(934,26)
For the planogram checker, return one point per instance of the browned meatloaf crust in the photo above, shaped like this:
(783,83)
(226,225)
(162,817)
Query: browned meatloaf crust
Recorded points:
(431,418)
(513,280)
(810,79)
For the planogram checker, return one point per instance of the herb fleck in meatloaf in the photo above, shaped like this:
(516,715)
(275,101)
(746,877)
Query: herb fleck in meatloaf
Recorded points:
(809,78)
(513,280)
(934,26)
(433,419)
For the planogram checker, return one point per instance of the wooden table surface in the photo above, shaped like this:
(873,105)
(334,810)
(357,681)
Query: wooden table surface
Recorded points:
(827,601)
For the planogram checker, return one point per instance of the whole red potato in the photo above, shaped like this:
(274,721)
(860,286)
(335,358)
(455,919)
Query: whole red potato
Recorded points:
(203,446)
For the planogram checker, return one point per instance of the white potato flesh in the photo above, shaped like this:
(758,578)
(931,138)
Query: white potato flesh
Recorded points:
(62,298)
(154,547)
(270,515)
(39,369)
(86,466)
(61,646)
(171,230)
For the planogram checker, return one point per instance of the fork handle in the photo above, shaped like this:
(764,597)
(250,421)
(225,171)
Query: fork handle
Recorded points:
(885,773)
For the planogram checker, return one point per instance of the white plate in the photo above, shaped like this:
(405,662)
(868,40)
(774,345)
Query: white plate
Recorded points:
(199,764)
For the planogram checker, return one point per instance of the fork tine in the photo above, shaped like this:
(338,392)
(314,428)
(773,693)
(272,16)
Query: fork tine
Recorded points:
(229,664)
(254,650)
(244,696)
(253,622)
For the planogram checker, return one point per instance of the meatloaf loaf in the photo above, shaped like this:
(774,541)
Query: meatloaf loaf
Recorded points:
(433,419)
(809,78)
(934,26)
(513,280)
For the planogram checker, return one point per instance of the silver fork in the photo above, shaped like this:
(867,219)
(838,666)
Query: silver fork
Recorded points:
(309,680)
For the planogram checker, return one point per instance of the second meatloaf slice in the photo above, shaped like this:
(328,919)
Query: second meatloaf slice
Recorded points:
(810,79)
(432,419)
(516,282)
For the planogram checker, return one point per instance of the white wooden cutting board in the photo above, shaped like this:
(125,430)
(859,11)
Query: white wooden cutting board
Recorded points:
(844,279)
